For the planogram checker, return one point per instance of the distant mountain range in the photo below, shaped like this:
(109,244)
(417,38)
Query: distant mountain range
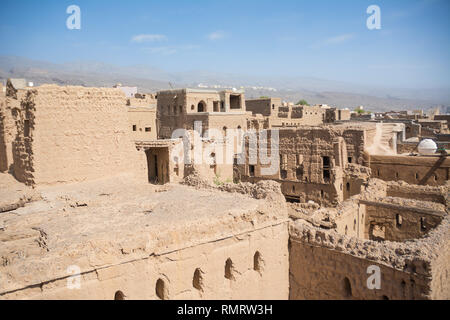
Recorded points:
(149,79)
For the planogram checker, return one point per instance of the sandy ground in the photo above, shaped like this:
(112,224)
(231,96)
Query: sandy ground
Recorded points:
(14,194)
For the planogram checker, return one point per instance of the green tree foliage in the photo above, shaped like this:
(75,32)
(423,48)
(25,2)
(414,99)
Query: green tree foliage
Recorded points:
(302,102)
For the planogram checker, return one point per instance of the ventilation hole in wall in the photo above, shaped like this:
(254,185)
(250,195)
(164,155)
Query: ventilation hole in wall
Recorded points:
(417,176)
(293,188)
(251,170)
(435,178)
(399,220)
(192,107)
(229,269)
(347,186)
(403,286)
(354,225)
(378,172)
(258,262)
(423,227)
(346,230)
(347,287)
(413,288)
(396,175)
(197,281)
(119,295)
(161,289)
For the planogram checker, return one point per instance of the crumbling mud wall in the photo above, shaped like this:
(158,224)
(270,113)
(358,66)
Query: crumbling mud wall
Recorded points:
(331,249)
(169,244)
(399,220)
(401,189)
(264,106)
(68,134)
(433,171)
(312,163)
(3,133)
(9,104)
(326,265)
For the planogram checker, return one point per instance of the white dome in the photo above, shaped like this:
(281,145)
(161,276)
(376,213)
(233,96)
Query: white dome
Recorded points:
(427,147)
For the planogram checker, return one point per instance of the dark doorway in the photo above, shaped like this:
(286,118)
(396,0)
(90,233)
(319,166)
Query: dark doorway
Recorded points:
(158,165)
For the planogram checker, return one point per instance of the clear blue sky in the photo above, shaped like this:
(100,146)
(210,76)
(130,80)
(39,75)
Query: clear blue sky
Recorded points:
(323,38)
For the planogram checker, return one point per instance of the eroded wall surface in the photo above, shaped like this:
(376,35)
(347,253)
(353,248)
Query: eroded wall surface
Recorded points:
(433,171)
(317,272)
(69,134)
(138,279)
(332,257)
(200,244)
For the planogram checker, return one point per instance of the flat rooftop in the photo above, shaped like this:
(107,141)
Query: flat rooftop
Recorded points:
(195,90)
(112,221)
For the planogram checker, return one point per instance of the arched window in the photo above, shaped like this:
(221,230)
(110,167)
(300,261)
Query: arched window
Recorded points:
(197,281)
(201,107)
(347,288)
(257,262)
(403,286)
(398,219)
(229,269)
(119,295)
(161,289)
(423,227)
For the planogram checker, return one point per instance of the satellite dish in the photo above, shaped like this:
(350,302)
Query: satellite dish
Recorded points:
(427,147)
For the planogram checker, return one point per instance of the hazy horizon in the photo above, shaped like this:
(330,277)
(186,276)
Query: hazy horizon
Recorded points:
(325,39)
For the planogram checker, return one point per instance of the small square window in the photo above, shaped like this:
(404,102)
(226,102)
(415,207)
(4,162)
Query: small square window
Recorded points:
(134,127)
(148,129)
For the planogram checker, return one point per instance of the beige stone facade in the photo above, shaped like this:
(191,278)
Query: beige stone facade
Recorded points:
(91,209)
(215,110)
(143,122)
(69,134)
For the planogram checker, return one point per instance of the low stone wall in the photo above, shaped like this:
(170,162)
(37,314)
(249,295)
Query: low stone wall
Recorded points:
(327,265)
(433,171)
